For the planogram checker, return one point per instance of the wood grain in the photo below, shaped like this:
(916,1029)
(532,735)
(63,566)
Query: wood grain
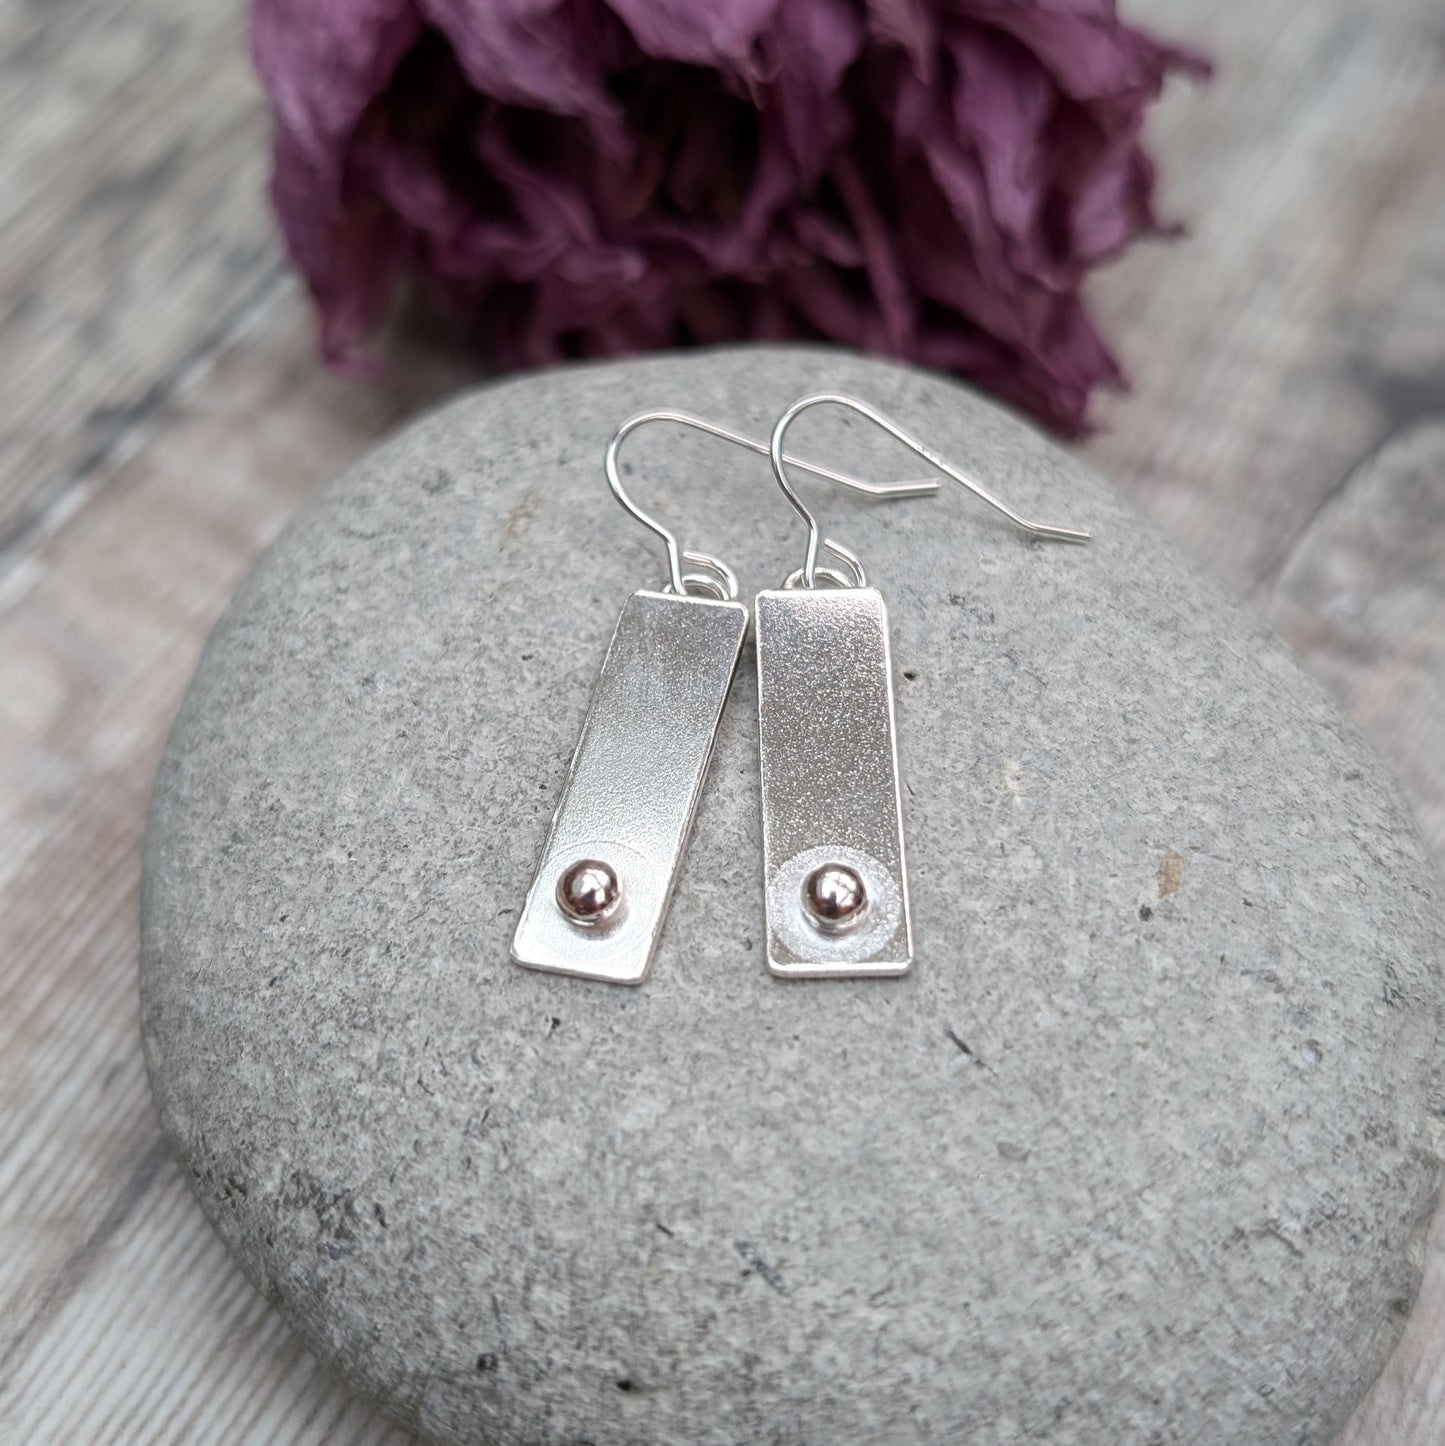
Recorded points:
(133,235)
(162,416)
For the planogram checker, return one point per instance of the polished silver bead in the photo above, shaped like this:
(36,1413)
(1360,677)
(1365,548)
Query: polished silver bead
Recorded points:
(589,892)
(835,898)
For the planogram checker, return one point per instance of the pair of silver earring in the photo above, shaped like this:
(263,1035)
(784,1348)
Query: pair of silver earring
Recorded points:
(834,868)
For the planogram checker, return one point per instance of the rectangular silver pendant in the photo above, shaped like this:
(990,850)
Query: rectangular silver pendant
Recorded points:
(634,782)
(830,784)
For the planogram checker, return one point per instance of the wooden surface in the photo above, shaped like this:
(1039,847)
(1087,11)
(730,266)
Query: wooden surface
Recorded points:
(162,415)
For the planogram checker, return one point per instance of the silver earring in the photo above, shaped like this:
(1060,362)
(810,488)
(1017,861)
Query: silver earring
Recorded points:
(834,867)
(600,894)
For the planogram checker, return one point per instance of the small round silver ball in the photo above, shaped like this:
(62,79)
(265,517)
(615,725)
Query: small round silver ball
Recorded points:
(835,898)
(589,892)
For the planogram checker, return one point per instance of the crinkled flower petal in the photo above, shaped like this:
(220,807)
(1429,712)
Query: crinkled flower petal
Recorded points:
(930,179)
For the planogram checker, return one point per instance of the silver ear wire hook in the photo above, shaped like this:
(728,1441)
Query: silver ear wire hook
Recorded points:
(675,554)
(781,461)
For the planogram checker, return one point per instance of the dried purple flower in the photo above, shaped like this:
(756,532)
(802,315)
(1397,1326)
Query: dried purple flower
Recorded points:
(931,179)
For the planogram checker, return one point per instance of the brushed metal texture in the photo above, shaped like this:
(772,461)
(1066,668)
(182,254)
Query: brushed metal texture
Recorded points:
(830,777)
(634,782)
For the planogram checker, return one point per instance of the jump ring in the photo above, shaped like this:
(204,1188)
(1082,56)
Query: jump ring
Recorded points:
(854,577)
(719,581)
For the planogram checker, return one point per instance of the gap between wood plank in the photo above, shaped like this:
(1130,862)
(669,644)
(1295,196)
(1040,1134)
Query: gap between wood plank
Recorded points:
(40,521)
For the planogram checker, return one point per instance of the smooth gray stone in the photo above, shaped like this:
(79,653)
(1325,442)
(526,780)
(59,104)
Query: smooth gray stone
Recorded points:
(1142,1151)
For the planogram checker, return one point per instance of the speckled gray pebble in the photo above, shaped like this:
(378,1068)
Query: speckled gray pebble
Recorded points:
(1142,1151)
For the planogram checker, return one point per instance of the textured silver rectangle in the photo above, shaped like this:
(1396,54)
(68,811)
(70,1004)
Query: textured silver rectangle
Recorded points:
(634,782)
(830,778)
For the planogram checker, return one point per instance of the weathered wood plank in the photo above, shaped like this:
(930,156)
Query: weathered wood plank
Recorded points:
(1284,339)
(133,233)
